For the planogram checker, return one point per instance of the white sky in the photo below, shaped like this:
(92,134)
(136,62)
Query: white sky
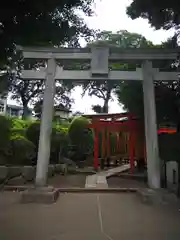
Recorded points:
(111,15)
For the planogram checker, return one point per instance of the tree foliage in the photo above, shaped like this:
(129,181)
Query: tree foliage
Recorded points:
(160,14)
(51,22)
(62,99)
(97,108)
(130,93)
(37,23)
(104,89)
(81,137)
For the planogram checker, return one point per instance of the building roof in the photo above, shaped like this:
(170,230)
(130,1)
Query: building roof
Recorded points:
(108,115)
(15,106)
(62,108)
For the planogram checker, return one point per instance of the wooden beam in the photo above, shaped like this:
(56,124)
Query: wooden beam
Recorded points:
(100,124)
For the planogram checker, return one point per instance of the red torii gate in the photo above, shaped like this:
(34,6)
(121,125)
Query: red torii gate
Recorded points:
(101,122)
(116,122)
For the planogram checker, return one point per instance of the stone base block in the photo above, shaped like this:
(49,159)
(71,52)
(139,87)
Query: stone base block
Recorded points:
(45,195)
(149,196)
(146,196)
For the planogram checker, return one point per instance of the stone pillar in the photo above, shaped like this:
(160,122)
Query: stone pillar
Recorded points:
(153,160)
(46,126)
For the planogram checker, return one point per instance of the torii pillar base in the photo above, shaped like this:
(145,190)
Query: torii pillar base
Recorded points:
(44,195)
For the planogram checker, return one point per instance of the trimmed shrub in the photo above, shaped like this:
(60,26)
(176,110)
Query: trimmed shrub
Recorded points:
(169,147)
(59,145)
(19,126)
(20,151)
(32,133)
(81,138)
(5,126)
(59,139)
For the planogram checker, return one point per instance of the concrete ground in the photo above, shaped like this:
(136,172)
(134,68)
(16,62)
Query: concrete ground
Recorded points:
(87,217)
(68,181)
(119,182)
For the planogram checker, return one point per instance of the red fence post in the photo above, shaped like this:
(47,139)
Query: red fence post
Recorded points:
(108,144)
(131,145)
(96,146)
(103,143)
(118,143)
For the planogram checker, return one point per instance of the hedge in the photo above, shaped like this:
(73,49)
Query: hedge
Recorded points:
(20,151)
(59,139)
(5,126)
(169,147)
(81,137)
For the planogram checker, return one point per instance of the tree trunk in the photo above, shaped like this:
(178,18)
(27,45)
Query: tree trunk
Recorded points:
(105,106)
(106,102)
(25,111)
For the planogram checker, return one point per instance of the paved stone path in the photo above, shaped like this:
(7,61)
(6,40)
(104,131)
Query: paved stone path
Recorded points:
(87,217)
(99,180)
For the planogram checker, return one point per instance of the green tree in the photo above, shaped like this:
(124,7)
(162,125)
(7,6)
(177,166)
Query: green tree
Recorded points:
(130,93)
(160,14)
(104,89)
(39,23)
(62,99)
(97,108)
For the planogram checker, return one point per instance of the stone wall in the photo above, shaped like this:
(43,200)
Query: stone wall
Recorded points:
(172,176)
(20,175)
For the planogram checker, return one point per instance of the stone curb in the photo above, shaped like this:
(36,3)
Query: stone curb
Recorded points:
(77,190)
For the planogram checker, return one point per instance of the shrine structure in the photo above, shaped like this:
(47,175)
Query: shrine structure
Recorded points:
(99,59)
(113,123)
(120,123)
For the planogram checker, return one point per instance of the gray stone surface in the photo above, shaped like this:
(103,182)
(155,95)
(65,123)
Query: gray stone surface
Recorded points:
(14,171)
(3,173)
(58,168)
(157,197)
(87,217)
(3,160)
(172,175)
(67,161)
(29,173)
(51,171)
(16,181)
(45,195)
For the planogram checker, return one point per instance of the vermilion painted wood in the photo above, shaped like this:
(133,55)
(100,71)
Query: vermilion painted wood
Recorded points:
(131,125)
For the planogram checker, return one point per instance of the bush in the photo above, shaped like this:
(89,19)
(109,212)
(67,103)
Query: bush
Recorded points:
(169,147)
(59,139)
(20,151)
(32,133)
(19,126)
(59,145)
(5,126)
(81,137)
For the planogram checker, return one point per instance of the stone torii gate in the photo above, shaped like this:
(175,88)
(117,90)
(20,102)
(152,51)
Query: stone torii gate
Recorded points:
(100,57)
